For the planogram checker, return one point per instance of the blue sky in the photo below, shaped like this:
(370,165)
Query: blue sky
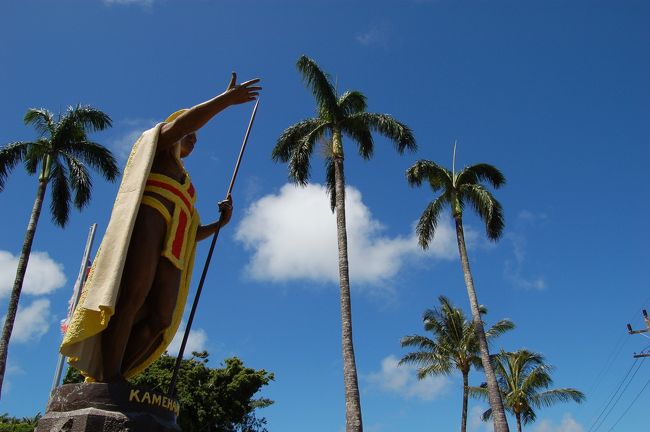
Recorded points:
(553,93)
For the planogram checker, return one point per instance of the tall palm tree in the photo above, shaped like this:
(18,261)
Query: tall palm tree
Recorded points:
(454,345)
(455,189)
(338,116)
(523,378)
(62,155)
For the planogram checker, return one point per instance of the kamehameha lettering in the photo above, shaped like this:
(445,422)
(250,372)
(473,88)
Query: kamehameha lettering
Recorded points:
(156,399)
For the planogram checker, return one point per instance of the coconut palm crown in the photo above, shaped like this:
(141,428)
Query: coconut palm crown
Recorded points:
(524,378)
(338,116)
(63,152)
(456,190)
(61,155)
(454,345)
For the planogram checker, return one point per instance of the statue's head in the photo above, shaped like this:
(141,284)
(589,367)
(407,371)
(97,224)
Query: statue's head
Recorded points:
(185,144)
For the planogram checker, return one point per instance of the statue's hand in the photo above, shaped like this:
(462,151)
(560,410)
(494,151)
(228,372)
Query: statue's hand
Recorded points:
(225,209)
(242,93)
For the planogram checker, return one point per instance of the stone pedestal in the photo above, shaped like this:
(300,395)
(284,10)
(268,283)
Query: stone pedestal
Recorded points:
(101,407)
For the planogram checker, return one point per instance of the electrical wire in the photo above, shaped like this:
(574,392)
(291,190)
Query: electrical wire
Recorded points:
(591,428)
(620,395)
(613,355)
(629,406)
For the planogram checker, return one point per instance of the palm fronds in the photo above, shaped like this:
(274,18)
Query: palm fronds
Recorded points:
(95,156)
(400,134)
(428,222)
(60,203)
(454,342)
(336,116)
(320,85)
(41,119)
(438,177)
(351,102)
(291,137)
(524,379)
(10,156)
(79,181)
(359,132)
(478,173)
(487,207)
(330,181)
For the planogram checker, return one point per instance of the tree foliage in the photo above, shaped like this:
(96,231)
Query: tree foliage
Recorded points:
(14,424)
(524,379)
(456,189)
(454,345)
(211,399)
(337,115)
(64,153)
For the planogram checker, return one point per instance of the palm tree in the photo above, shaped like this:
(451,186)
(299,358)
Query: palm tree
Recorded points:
(455,190)
(338,116)
(61,154)
(523,379)
(454,345)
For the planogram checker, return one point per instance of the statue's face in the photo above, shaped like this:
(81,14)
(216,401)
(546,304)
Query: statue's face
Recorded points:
(187,144)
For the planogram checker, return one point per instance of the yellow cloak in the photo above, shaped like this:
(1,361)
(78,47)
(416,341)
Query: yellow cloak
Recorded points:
(82,342)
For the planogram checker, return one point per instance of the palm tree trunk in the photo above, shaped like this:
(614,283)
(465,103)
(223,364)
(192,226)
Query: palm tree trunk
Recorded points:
(494,396)
(463,423)
(353,421)
(518,415)
(20,276)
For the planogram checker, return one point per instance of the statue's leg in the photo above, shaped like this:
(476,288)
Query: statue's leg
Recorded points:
(160,304)
(138,276)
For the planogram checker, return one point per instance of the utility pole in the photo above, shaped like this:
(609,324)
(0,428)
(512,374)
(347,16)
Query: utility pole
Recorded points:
(645,330)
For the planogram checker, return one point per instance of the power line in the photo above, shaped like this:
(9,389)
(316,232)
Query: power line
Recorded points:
(613,395)
(620,395)
(629,406)
(613,355)
(599,421)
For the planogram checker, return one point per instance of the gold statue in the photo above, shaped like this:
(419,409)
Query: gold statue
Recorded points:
(133,299)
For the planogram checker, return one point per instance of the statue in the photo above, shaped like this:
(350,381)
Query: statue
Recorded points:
(133,299)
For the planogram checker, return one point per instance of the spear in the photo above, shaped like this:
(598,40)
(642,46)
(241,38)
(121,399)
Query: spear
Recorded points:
(172,385)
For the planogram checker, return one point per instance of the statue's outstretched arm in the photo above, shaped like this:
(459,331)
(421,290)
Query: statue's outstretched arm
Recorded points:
(196,117)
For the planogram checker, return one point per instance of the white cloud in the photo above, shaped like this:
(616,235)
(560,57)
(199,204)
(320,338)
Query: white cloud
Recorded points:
(514,269)
(146,3)
(43,275)
(15,370)
(403,381)
(513,273)
(568,424)
(196,341)
(475,422)
(376,35)
(529,216)
(32,321)
(293,237)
